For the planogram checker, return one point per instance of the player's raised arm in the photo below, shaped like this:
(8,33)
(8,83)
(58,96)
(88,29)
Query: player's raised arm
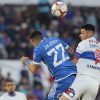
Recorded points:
(68,48)
(31,66)
(78,52)
(75,60)
(35,39)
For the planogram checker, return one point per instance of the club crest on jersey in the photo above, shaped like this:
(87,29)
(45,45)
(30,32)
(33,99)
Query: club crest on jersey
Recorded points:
(97,56)
(70,92)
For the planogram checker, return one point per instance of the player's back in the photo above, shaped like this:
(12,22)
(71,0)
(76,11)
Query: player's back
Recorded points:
(53,53)
(88,63)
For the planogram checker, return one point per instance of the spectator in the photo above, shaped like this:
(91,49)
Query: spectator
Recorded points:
(24,73)
(78,19)
(23,86)
(91,18)
(31,96)
(38,90)
(3,52)
(11,93)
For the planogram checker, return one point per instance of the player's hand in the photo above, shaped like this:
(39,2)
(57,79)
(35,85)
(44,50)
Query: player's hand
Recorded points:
(23,60)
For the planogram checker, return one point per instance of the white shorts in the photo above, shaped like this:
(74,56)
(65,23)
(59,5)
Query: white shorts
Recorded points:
(83,86)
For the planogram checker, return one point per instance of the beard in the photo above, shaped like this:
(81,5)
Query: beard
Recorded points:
(12,93)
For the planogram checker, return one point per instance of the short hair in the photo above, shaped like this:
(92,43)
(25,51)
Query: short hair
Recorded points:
(35,34)
(88,27)
(9,80)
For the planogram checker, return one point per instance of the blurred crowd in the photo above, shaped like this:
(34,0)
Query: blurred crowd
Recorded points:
(16,23)
(33,89)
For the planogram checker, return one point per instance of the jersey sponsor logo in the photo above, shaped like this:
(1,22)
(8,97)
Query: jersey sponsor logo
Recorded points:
(70,92)
(97,56)
(93,41)
(93,67)
(93,46)
(50,44)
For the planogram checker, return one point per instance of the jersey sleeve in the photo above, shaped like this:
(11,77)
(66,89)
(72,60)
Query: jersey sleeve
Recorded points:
(79,50)
(37,56)
(64,44)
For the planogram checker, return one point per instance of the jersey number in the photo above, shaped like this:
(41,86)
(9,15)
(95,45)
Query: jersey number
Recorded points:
(97,55)
(55,51)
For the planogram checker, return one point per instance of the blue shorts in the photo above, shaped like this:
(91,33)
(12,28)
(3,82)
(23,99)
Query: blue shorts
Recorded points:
(60,87)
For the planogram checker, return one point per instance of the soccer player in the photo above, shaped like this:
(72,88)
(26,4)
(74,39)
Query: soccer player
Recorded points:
(52,51)
(87,60)
(11,93)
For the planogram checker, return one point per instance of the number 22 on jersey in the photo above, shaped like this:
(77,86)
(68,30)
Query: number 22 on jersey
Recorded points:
(55,51)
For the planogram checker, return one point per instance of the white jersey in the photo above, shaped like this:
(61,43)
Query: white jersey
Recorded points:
(87,81)
(18,96)
(88,52)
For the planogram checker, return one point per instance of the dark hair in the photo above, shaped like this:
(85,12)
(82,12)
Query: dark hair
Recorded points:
(89,27)
(35,34)
(9,80)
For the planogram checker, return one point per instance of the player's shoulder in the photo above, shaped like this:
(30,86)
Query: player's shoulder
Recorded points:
(42,42)
(54,38)
(82,43)
(5,94)
(85,42)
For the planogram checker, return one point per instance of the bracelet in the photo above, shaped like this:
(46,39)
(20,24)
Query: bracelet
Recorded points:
(27,62)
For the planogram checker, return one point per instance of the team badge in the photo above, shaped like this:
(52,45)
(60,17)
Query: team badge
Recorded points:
(70,92)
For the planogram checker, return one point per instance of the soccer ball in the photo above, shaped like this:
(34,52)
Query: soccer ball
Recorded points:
(59,9)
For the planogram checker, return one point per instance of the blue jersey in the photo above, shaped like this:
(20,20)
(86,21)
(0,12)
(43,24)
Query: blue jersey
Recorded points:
(52,51)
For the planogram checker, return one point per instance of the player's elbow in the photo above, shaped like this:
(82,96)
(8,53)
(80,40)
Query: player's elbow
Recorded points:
(33,69)
(75,60)
(70,50)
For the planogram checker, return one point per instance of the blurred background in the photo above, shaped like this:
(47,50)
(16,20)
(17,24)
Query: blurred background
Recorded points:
(18,18)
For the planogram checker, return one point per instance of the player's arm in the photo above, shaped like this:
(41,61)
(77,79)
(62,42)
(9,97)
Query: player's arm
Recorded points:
(79,51)
(31,66)
(75,60)
(68,48)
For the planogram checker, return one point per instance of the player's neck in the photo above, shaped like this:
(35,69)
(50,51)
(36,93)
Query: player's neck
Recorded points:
(91,36)
(39,41)
(12,93)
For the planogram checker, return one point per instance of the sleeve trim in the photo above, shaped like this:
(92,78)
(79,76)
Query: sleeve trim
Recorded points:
(36,63)
(77,55)
(67,46)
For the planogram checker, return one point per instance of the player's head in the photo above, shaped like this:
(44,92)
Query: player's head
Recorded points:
(10,86)
(35,37)
(86,31)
